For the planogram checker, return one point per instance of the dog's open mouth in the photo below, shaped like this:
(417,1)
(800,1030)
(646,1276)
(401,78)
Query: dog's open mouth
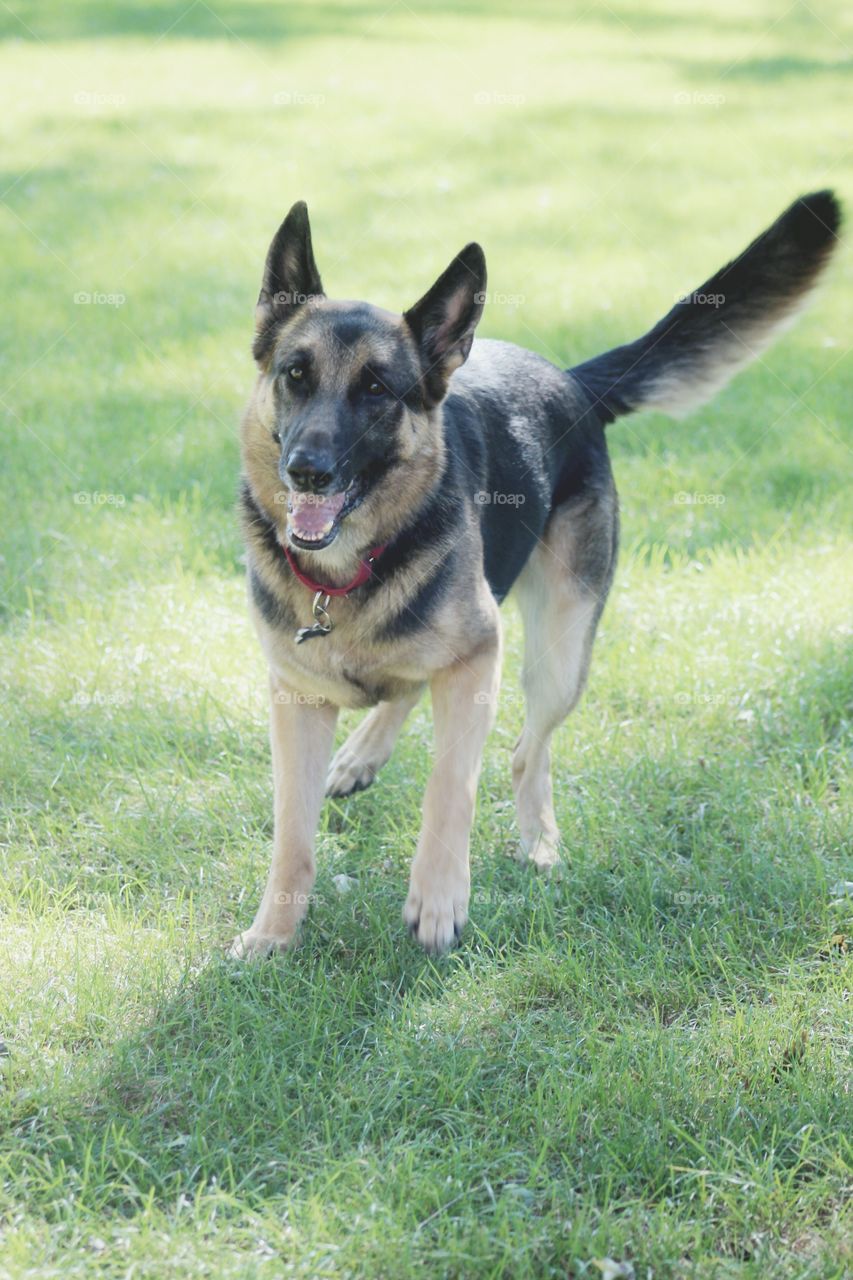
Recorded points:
(313,519)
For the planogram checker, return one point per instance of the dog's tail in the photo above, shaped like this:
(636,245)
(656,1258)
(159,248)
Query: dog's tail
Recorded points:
(713,332)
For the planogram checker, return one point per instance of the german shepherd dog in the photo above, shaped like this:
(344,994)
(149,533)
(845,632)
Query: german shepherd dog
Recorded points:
(399,479)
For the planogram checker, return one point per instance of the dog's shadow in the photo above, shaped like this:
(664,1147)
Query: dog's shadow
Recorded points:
(246,1076)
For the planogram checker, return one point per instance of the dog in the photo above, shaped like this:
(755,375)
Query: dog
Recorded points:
(399,479)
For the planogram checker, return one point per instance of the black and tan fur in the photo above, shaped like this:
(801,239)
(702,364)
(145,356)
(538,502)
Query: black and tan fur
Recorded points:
(415,421)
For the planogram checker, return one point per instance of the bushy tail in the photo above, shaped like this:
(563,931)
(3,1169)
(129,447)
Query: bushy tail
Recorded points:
(713,332)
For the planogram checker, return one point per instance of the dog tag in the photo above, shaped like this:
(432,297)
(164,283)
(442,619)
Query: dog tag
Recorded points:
(322,624)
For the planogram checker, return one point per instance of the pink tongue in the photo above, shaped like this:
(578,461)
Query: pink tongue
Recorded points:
(310,513)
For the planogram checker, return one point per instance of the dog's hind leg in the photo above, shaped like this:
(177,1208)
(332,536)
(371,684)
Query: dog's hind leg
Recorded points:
(560,594)
(357,762)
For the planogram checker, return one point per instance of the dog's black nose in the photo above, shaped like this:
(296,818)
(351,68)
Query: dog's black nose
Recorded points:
(310,470)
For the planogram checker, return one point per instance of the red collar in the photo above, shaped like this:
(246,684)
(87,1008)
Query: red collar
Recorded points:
(365,569)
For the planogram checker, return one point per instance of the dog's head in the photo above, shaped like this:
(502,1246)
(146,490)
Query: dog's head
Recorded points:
(344,427)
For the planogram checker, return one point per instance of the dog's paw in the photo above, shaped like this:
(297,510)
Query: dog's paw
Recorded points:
(436,920)
(257,946)
(349,773)
(543,853)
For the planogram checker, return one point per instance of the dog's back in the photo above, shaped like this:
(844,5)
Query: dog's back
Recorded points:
(523,437)
(526,437)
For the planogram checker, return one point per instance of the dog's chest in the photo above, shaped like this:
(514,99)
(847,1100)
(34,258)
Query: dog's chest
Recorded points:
(342,666)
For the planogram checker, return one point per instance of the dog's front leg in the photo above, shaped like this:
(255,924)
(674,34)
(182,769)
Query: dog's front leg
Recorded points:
(301,735)
(463,700)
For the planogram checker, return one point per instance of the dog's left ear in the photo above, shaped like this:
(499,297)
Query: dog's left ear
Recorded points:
(444,320)
(290,278)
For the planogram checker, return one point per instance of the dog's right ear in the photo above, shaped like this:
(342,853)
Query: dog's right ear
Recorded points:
(290,278)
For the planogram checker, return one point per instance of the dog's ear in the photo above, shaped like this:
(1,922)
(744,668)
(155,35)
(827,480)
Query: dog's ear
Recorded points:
(290,277)
(444,320)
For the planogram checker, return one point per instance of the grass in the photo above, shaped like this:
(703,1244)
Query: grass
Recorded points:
(646,1062)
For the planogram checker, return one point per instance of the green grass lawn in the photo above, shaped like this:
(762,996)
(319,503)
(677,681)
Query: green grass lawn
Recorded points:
(647,1061)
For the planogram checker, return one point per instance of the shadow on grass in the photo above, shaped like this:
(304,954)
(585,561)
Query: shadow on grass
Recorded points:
(262,1080)
(769,70)
(272,22)
(185,20)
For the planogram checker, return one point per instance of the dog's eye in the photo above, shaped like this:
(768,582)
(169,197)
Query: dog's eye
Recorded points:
(276,435)
(295,373)
(375,388)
